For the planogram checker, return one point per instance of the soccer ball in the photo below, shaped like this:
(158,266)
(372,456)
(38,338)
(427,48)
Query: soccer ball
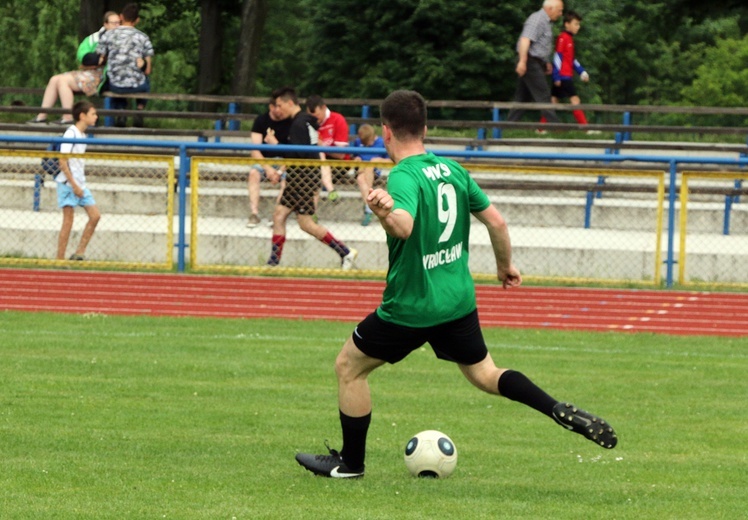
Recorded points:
(431,454)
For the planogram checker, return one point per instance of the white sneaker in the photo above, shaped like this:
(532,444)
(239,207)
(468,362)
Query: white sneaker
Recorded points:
(349,260)
(594,132)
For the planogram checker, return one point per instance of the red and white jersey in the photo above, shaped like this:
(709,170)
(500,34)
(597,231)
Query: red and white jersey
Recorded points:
(334,130)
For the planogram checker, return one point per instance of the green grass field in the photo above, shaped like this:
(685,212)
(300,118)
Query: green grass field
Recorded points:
(118,417)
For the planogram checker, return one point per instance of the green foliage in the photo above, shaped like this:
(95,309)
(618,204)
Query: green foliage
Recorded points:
(447,50)
(137,417)
(722,78)
(175,33)
(659,52)
(39,38)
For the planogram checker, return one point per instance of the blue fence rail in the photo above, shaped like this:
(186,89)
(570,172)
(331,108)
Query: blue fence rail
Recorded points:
(671,163)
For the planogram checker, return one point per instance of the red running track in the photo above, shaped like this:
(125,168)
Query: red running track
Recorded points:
(666,312)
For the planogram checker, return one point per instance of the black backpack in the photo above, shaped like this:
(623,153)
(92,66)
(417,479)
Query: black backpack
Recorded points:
(51,165)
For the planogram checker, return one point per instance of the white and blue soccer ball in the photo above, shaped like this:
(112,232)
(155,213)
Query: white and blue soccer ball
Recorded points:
(430,454)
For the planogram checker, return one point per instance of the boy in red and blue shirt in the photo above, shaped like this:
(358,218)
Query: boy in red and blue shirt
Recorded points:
(565,65)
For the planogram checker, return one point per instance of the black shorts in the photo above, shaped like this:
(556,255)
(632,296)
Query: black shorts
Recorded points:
(460,341)
(301,188)
(565,90)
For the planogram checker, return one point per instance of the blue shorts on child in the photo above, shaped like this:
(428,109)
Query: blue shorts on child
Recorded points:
(66,197)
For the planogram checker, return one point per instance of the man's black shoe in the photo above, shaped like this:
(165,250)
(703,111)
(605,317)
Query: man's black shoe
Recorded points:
(584,423)
(331,465)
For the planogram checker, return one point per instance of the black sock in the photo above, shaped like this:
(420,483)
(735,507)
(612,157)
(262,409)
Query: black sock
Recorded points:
(517,387)
(354,439)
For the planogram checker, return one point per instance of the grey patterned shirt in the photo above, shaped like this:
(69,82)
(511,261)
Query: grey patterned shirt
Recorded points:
(123,46)
(539,31)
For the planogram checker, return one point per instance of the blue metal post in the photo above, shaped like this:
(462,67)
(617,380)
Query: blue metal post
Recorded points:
(38,183)
(627,122)
(670,261)
(234,124)
(588,209)
(219,126)
(108,120)
(481,136)
(728,210)
(496,117)
(365,114)
(181,245)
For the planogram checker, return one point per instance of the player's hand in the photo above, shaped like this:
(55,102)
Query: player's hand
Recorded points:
(548,69)
(510,278)
(380,202)
(78,191)
(273,175)
(270,137)
(521,69)
(557,83)
(584,76)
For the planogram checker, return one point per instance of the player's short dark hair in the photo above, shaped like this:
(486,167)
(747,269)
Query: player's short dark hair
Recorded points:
(404,112)
(570,16)
(131,12)
(81,107)
(285,93)
(314,101)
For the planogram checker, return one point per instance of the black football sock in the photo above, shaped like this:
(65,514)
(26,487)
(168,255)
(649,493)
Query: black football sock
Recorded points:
(354,439)
(517,387)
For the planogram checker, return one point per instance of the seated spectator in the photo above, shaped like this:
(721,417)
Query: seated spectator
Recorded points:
(87,80)
(333,131)
(126,49)
(367,137)
(90,42)
(268,128)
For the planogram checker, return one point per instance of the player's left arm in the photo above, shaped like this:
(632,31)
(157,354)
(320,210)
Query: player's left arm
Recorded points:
(498,231)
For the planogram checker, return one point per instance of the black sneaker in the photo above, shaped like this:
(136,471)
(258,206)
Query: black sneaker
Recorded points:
(584,423)
(331,465)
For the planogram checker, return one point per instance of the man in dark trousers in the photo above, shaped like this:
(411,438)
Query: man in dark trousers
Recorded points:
(534,49)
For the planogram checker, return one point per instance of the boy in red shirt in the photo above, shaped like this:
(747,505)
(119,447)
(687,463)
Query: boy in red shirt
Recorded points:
(564,66)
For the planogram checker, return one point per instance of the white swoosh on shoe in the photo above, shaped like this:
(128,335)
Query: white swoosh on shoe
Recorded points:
(334,473)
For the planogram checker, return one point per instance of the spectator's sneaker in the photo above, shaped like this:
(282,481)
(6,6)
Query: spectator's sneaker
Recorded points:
(584,423)
(120,121)
(334,197)
(331,466)
(137,121)
(540,131)
(594,132)
(254,220)
(77,258)
(349,260)
(367,219)
(36,121)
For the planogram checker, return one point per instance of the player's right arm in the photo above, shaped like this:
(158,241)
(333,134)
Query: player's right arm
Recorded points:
(498,231)
(397,223)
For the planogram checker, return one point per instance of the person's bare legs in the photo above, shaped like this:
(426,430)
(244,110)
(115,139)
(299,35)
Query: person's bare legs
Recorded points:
(94,215)
(68,213)
(307,224)
(253,187)
(365,181)
(60,86)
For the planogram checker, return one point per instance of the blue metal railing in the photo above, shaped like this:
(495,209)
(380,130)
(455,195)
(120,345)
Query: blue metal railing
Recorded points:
(181,245)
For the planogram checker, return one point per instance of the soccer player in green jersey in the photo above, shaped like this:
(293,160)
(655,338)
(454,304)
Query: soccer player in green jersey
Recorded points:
(430,296)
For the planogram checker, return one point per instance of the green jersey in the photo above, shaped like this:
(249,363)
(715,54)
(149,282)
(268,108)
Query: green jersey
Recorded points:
(429,281)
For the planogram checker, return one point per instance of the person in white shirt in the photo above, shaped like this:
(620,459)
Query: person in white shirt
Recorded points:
(71,183)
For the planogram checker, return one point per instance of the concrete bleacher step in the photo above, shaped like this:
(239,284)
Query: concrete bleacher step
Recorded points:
(542,209)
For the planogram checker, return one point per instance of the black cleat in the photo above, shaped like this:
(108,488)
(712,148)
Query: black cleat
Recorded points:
(331,466)
(584,423)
